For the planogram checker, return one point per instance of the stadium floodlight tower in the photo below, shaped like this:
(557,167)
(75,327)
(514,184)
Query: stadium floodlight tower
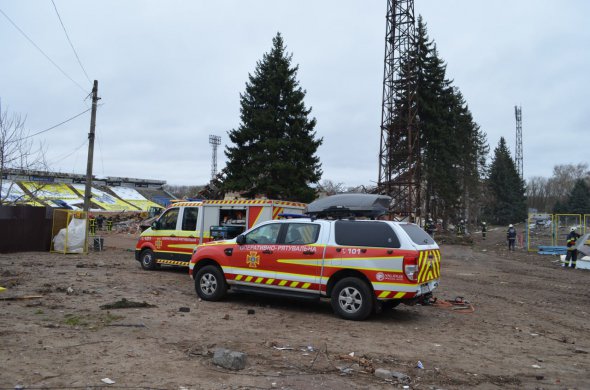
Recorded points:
(518,152)
(399,156)
(214,141)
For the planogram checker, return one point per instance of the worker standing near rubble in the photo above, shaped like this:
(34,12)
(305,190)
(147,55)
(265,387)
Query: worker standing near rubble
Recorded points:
(484,230)
(511,237)
(572,252)
(461,228)
(430,227)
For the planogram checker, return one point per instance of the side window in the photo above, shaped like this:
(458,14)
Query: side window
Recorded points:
(189,218)
(365,233)
(266,234)
(302,233)
(168,219)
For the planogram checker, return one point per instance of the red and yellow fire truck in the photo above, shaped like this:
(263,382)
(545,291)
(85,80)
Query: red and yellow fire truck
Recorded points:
(361,265)
(183,225)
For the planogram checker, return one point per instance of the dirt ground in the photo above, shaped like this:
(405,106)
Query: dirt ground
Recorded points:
(530,328)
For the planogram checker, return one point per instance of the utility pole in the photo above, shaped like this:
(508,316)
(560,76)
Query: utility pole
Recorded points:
(88,189)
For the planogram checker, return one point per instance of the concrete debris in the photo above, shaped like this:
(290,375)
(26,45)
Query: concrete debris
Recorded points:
(232,360)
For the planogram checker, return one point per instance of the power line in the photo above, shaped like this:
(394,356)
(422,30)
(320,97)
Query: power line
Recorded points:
(61,158)
(53,127)
(69,40)
(42,52)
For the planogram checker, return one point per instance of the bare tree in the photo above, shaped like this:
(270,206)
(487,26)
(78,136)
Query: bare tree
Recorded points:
(16,151)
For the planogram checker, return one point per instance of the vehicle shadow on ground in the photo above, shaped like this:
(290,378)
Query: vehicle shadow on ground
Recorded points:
(321,307)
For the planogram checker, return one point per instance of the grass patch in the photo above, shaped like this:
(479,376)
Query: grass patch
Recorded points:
(73,320)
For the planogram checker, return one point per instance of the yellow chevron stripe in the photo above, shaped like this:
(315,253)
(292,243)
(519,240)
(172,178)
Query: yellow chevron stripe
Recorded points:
(269,281)
(384,294)
(306,285)
(249,278)
(239,277)
(294,284)
(258,280)
(282,282)
(399,295)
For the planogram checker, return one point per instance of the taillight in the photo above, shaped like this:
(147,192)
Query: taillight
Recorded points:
(411,268)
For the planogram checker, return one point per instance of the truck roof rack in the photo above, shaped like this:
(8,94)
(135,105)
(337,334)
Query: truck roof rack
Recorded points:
(352,205)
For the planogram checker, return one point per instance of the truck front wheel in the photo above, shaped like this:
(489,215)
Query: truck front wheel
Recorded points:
(351,299)
(210,283)
(148,260)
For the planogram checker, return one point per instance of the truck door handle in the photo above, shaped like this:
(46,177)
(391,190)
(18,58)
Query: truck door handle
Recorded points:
(228,251)
(173,235)
(338,250)
(390,251)
(267,252)
(308,252)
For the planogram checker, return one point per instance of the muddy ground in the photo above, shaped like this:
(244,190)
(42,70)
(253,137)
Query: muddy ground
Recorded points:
(530,328)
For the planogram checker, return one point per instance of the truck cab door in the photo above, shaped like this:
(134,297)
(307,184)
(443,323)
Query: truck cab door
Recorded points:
(164,236)
(254,261)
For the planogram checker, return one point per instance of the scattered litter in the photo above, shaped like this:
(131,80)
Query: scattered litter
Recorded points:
(420,365)
(251,311)
(125,304)
(184,309)
(225,317)
(536,366)
(351,354)
(534,334)
(70,290)
(283,348)
(108,381)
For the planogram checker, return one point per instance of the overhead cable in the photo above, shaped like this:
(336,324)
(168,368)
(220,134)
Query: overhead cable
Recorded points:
(42,52)
(53,127)
(70,41)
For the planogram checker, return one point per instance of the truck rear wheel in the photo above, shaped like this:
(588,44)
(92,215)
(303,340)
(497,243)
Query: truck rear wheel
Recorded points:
(148,260)
(210,283)
(352,299)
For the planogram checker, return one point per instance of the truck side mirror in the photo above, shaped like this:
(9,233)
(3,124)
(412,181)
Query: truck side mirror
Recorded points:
(155,225)
(241,239)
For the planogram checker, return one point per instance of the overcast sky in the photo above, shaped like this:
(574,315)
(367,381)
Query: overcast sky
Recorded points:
(170,73)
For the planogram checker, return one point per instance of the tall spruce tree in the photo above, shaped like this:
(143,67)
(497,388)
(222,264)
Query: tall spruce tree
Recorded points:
(507,201)
(274,151)
(453,148)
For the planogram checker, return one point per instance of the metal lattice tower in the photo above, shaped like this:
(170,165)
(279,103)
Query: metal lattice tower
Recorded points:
(214,141)
(399,156)
(518,158)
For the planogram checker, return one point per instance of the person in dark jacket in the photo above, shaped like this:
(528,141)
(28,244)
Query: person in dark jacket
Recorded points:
(484,230)
(430,227)
(511,236)
(572,252)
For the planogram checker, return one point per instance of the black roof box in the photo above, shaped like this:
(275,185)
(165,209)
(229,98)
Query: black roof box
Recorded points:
(349,205)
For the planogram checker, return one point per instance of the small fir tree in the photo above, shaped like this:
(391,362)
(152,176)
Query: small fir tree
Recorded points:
(274,148)
(507,201)
(578,201)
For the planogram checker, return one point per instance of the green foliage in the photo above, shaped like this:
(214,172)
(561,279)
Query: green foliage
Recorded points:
(507,201)
(578,201)
(452,147)
(274,147)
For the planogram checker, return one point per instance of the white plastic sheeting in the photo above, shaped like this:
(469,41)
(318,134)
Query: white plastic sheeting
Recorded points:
(71,239)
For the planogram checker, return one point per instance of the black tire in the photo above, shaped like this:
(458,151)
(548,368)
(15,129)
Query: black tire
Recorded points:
(210,283)
(352,299)
(148,260)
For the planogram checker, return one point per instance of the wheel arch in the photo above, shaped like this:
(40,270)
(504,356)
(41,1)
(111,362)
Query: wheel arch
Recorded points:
(345,273)
(205,262)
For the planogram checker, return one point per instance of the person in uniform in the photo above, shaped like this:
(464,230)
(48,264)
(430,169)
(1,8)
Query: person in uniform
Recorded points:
(572,252)
(511,237)
(484,230)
